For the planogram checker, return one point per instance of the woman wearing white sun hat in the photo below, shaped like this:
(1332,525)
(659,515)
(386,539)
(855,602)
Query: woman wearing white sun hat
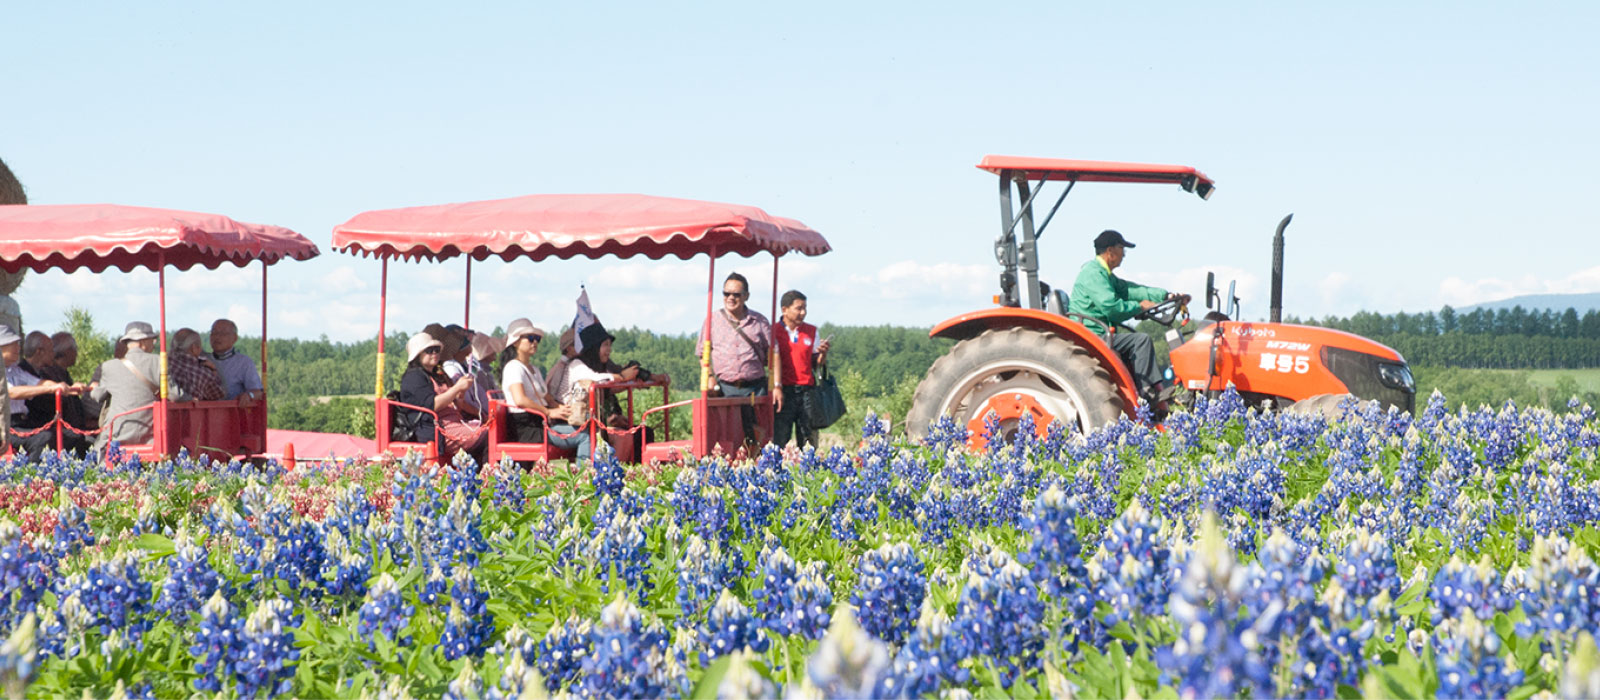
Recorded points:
(424,384)
(533,414)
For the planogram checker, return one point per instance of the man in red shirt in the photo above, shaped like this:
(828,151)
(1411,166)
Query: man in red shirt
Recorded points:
(799,352)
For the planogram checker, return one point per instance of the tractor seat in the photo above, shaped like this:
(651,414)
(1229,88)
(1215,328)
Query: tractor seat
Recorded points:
(1056,302)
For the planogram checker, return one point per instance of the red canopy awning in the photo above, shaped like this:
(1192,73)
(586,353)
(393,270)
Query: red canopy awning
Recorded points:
(69,237)
(1101,171)
(572,225)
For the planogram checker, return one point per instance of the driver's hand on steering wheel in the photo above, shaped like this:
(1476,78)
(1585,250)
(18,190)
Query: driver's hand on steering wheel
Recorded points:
(1146,304)
(1182,298)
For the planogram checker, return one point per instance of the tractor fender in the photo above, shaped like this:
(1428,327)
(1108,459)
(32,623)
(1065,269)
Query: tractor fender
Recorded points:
(975,323)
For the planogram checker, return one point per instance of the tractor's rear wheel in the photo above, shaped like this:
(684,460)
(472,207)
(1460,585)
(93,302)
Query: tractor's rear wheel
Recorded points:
(1325,405)
(1013,371)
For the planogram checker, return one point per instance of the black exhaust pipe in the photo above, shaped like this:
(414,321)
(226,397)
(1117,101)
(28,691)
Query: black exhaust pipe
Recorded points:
(1277,270)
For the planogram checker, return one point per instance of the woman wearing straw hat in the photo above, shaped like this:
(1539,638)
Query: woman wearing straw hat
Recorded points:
(424,384)
(533,414)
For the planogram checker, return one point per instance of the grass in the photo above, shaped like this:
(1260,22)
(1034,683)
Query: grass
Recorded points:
(1588,379)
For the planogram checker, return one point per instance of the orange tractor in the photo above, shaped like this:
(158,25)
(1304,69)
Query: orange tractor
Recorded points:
(1029,355)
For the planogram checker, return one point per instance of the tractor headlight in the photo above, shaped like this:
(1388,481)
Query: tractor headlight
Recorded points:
(1396,377)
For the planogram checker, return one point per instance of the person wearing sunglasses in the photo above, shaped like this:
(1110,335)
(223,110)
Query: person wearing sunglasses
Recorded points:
(425,384)
(741,340)
(532,414)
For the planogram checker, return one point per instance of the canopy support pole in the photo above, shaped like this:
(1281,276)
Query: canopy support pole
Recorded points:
(161,282)
(383,309)
(776,381)
(705,331)
(159,421)
(466,315)
(263,327)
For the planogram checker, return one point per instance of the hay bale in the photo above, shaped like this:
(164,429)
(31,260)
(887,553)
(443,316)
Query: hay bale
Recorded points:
(10,193)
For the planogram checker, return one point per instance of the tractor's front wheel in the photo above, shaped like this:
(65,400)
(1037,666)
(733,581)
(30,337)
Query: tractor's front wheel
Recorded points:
(1015,371)
(1329,406)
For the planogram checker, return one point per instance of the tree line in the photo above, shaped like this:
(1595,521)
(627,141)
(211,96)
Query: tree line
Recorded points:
(1514,338)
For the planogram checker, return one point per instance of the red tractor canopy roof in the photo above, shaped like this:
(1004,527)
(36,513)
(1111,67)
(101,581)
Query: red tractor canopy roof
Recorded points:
(69,237)
(1101,171)
(571,225)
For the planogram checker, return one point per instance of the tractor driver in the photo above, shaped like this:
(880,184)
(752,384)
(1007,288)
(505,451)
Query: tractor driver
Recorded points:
(1102,296)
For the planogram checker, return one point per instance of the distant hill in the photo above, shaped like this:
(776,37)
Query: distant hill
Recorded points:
(1558,302)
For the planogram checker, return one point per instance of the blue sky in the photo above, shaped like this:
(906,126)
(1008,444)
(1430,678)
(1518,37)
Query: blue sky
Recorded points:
(1432,153)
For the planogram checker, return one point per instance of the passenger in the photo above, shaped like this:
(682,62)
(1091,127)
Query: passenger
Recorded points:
(79,412)
(66,349)
(424,384)
(240,379)
(457,343)
(529,401)
(129,383)
(741,339)
(193,374)
(557,380)
(26,410)
(38,358)
(593,364)
(799,352)
(485,349)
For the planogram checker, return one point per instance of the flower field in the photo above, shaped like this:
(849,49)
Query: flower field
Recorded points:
(1231,554)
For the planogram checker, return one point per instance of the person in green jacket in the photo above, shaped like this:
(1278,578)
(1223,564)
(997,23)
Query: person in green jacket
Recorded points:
(1102,296)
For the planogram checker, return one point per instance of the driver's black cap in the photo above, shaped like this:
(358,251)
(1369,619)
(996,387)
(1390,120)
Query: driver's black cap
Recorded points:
(1108,238)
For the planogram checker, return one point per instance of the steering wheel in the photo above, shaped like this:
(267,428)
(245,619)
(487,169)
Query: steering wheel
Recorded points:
(1167,312)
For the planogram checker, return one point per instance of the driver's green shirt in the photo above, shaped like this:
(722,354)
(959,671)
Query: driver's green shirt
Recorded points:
(1101,295)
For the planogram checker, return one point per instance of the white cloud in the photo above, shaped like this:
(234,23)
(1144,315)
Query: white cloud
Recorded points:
(343,280)
(1456,291)
(911,279)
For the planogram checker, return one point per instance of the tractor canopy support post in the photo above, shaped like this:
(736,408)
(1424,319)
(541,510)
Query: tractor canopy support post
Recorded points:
(1005,247)
(1028,248)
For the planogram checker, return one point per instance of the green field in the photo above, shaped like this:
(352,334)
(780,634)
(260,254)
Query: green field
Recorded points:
(1527,387)
(1588,379)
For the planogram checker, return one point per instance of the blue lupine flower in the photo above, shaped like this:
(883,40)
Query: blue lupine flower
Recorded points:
(1367,568)
(889,591)
(190,581)
(1469,660)
(266,660)
(26,574)
(1131,566)
(849,663)
(628,659)
(435,586)
(618,544)
(466,685)
(510,490)
(1459,588)
(72,528)
(385,612)
(928,661)
(730,627)
(999,614)
(1218,649)
(217,643)
(469,624)
(608,472)
(946,434)
(562,652)
(116,598)
(1054,554)
(778,571)
(459,533)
